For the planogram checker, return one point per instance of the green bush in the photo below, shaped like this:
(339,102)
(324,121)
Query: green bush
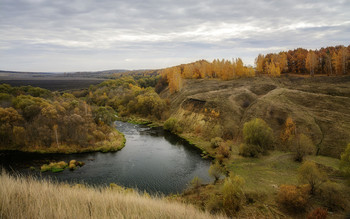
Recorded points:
(216,171)
(232,195)
(172,125)
(332,195)
(214,203)
(249,150)
(196,183)
(257,133)
(345,161)
(309,173)
(301,146)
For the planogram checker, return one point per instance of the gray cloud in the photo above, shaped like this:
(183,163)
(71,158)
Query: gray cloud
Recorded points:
(46,35)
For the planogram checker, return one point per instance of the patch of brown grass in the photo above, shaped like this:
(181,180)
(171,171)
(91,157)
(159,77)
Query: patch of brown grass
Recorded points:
(29,198)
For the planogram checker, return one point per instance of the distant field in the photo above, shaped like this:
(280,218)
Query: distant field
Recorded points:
(55,84)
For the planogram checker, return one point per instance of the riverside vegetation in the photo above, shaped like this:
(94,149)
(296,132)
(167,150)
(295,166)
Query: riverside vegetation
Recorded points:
(279,141)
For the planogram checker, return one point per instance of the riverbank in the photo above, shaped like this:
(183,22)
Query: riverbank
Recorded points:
(115,142)
(198,143)
(28,198)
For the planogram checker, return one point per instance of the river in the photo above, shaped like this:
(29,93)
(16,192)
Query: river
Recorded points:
(152,160)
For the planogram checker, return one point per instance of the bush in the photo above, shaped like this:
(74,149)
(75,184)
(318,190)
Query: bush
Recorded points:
(223,150)
(318,213)
(216,171)
(215,142)
(309,173)
(214,204)
(196,183)
(248,150)
(232,195)
(172,125)
(301,146)
(293,198)
(257,133)
(332,195)
(345,161)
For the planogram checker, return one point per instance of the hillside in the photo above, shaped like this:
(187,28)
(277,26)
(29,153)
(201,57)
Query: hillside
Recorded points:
(28,198)
(319,106)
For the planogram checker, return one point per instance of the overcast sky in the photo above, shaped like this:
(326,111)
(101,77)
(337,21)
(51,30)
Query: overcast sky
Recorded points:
(82,35)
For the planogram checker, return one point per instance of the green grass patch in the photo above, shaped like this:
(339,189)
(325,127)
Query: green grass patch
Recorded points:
(266,173)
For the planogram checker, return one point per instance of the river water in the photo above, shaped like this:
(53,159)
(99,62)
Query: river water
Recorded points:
(152,160)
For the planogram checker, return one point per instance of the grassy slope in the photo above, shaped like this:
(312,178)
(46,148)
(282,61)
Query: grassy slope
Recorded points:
(263,176)
(319,107)
(28,198)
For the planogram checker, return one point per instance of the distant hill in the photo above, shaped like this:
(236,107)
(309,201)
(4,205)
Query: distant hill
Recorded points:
(18,75)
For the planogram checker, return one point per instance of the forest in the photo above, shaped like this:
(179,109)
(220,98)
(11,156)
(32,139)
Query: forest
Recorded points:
(36,119)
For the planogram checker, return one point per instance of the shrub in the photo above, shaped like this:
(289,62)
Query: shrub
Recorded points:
(72,166)
(45,168)
(345,161)
(216,171)
(301,146)
(318,213)
(293,198)
(214,203)
(215,142)
(248,150)
(332,195)
(223,150)
(309,173)
(257,133)
(196,183)
(232,195)
(172,125)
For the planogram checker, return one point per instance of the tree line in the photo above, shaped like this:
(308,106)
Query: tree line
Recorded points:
(221,69)
(328,61)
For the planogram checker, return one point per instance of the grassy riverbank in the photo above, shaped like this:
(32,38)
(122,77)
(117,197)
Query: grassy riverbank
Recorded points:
(28,198)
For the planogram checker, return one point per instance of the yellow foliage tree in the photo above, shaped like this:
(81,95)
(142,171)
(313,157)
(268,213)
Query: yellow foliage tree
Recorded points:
(259,62)
(311,62)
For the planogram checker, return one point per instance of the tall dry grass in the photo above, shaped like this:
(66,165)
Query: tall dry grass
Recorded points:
(29,198)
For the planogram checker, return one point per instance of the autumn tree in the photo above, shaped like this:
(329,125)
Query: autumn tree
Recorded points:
(174,79)
(196,183)
(216,171)
(311,62)
(289,130)
(282,61)
(259,62)
(343,56)
(273,70)
(302,145)
(309,173)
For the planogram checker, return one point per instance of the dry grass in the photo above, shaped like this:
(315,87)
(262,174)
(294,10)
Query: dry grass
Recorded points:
(28,198)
